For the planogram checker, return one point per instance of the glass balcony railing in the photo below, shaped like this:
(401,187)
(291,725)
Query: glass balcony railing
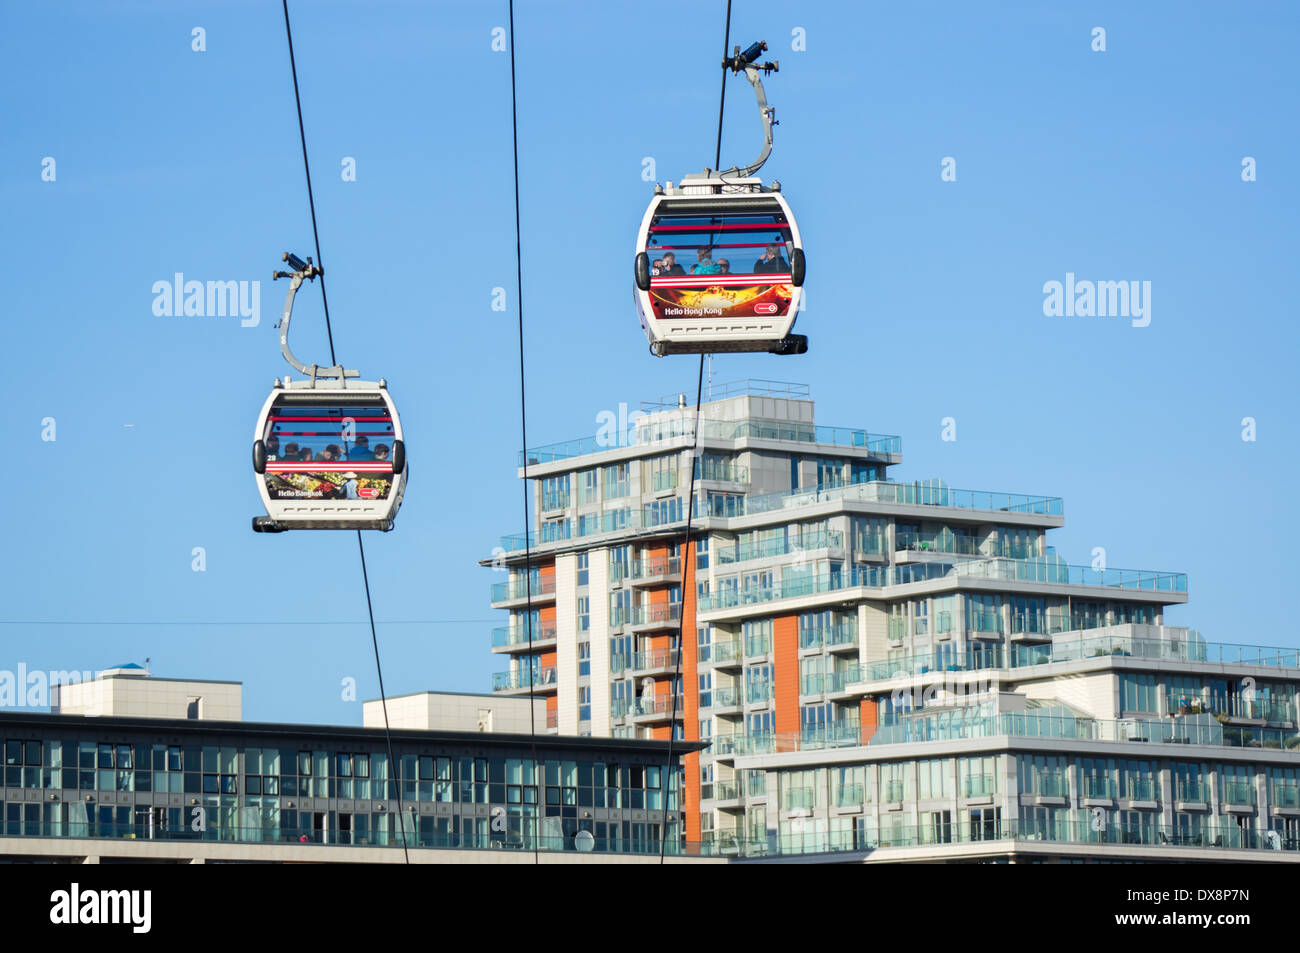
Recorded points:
(511,681)
(953,543)
(1192,792)
(979,785)
(726,697)
(1096,786)
(757,693)
(921,494)
(725,651)
(893,791)
(914,494)
(757,646)
(1237,793)
(759,549)
(1140,789)
(850,794)
(656,705)
(844,632)
(726,791)
(509,636)
(654,658)
(707,468)
(974,723)
(673,431)
(658,613)
(1284,794)
(663,567)
(520,589)
(797,799)
(1180,644)
(1048,784)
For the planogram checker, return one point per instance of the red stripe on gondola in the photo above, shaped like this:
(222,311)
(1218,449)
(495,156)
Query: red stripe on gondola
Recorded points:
(330,434)
(662,248)
(365,417)
(702,281)
(754,227)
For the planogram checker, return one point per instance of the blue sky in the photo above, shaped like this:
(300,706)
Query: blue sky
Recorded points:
(924,297)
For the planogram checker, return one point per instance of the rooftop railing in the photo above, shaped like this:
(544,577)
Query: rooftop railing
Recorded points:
(922,494)
(672,431)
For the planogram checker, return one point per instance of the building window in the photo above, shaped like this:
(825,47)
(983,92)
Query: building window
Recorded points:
(584,658)
(584,613)
(616,481)
(587,486)
(555,492)
(702,553)
(584,703)
(1138,693)
(584,574)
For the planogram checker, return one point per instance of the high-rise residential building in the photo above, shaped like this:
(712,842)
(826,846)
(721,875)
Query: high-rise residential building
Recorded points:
(900,669)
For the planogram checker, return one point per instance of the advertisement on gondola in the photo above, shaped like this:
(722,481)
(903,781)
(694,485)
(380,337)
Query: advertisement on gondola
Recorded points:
(296,481)
(691,298)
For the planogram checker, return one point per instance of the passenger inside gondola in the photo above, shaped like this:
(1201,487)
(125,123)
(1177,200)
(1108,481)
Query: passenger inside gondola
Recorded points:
(381,451)
(670,268)
(705,264)
(772,262)
(360,450)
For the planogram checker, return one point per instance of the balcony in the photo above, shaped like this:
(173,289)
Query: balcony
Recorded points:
(1284,795)
(726,794)
(1141,789)
(659,615)
(725,701)
(509,638)
(979,785)
(758,646)
(837,636)
(726,654)
(1192,792)
(647,710)
(1237,793)
(660,571)
(893,792)
(654,662)
(720,471)
(762,549)
(544,681)
(941,542)
(1233,708)
(1049,784)
(517,591)
(798,799)
(758,693)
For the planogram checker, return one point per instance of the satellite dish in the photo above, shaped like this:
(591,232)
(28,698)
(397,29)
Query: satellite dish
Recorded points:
(584,841)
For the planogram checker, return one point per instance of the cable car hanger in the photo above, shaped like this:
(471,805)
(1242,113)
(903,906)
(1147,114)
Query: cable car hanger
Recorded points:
(747,61)
(309,271)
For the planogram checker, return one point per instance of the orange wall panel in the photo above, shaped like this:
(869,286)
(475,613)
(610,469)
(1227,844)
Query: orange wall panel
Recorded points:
(785,650)
(870,710)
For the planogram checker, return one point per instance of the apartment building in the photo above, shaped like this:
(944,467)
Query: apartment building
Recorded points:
(814,581)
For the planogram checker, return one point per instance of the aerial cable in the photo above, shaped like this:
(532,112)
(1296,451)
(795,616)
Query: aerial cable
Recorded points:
(394,766)
(687,555)
(523,427)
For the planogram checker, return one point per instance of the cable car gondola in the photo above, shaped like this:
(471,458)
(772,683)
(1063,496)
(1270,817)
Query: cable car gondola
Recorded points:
(719,259)
(328,451)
